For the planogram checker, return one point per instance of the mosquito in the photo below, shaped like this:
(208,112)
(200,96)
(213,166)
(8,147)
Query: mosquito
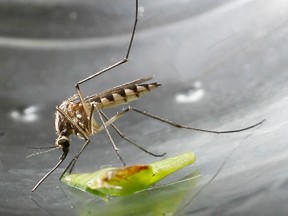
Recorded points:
(75,116)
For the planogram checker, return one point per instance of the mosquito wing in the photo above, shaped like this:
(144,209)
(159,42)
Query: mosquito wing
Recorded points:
(116,89)
(121,94)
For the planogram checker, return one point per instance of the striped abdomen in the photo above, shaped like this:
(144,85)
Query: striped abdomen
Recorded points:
(121,95)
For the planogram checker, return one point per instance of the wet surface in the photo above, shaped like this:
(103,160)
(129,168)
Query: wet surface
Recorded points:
(234,52)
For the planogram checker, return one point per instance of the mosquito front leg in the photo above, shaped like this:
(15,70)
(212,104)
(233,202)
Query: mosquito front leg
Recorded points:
(79,93)
(123,136)
(124,60)
(83,133)
(71,165)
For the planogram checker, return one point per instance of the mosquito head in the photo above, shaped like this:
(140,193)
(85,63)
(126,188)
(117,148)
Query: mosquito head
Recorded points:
(63,143)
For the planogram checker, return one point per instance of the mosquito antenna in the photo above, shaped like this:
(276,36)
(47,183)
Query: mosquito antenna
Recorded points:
(45,147)
(48,149)
(62,158)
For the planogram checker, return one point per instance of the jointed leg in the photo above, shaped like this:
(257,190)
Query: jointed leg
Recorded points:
(83,133)
(118,115)
(192,128)
(179,125)
(124,60)
(110,138)
(73,161)
(121,134)
(104,126)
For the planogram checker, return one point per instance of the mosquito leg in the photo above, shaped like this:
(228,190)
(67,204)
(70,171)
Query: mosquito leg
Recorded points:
(110,138)
(73,161)
(124,60)
(91,119)
(122,135)
(83,133)
(192,128)
(114,118)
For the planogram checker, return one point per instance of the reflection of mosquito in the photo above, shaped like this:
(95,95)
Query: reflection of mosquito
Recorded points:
(75,115)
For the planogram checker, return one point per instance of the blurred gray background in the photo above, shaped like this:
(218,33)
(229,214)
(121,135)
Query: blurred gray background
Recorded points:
(223,65)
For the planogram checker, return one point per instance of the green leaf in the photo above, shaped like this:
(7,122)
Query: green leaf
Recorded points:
(163,200)
(124,181)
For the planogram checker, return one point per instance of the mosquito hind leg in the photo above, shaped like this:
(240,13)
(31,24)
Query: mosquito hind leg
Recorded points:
(192,128)
(123,136)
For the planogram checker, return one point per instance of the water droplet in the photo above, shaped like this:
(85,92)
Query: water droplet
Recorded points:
(141,11)
(191,95)
(27,114)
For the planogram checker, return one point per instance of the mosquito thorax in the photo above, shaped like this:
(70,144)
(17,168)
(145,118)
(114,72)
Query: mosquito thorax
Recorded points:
(63,142)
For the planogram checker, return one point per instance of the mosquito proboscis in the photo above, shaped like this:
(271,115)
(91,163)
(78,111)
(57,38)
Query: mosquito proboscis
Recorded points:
(75,116)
